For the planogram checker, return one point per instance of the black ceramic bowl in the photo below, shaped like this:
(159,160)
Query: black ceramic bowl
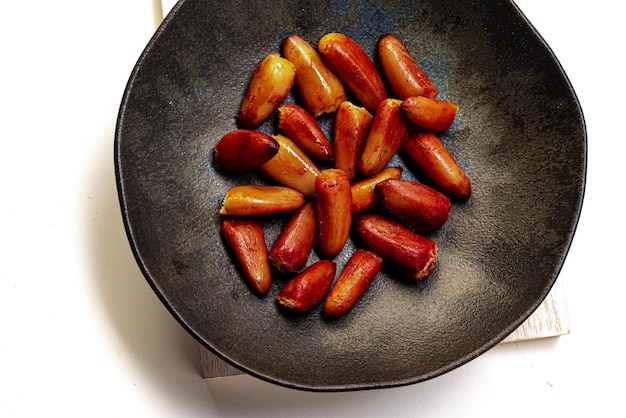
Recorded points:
(519,135)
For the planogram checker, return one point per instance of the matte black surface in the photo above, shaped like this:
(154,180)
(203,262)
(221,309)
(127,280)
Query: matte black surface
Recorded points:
(519,135)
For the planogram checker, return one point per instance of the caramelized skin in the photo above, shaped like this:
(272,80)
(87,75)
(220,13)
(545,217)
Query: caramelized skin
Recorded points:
(244,149)
(248,200)
(405,77)
(291,249)
(388,131)
(355,69)
(352,123)
(269,86)
(411,254)
(355,278)
(428,154)
(299,126)
(431,114)
(291,167)
(363,194)
(320,89)
(333,205)
(247,242)
(416,205)
(303,292)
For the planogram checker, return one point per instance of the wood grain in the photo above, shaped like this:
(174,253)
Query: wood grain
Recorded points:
(212,366)
(549,320)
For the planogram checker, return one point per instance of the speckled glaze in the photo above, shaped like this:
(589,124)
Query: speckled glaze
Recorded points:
(519,135)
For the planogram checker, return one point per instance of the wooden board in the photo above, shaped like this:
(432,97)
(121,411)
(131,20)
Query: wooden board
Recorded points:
(549,320)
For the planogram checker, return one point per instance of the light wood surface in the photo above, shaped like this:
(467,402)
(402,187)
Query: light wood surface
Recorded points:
(551,319)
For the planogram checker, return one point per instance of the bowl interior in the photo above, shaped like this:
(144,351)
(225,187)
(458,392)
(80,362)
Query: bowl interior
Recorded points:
(519,135)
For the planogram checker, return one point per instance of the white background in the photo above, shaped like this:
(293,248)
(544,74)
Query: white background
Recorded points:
(82,334)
